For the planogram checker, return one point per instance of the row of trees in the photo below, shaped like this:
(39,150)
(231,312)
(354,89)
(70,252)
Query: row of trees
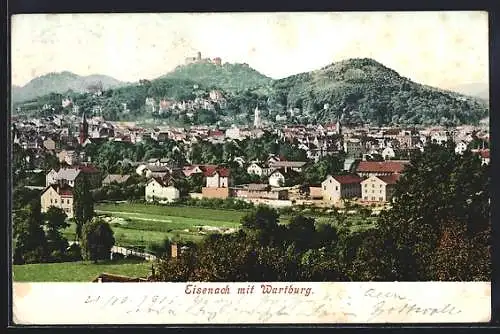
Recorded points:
(438,229)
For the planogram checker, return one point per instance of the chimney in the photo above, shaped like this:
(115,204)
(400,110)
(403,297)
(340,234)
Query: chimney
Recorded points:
(173,250)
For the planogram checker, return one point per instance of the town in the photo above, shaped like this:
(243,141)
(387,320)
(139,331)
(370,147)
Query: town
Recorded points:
(372,158)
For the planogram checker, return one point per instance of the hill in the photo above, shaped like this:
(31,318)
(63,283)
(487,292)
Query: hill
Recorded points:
(365,91)
(61,82)
(228,77)
(480,90)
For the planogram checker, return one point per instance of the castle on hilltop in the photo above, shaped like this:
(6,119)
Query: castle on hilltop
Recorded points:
(191,60)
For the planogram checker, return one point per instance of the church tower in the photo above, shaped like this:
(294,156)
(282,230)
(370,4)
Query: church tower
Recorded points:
(84,130)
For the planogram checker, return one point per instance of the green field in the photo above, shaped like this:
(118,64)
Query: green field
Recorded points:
(78,271)
(140,225)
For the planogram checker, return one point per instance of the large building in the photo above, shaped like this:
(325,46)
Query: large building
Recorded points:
(378,188)
(338,187)
(381,168)
(59,197)
(159,190)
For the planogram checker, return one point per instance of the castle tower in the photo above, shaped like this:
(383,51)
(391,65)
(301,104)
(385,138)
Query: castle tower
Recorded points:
(84,130)
(256,120)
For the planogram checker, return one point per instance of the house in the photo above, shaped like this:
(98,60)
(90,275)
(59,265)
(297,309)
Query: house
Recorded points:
(50,178)
(49,144)
(461,147)
(115,178)
(388,153)
(159,190)
(380,168)
(218,181)
(217,177)
(156,171)
(337,187)
(485,156)
(69,157)
(191,170)
(354,147)
(256,169)
(59,197)
(71,176)
(261,191)
(378,188)
(281,177)
(296,166)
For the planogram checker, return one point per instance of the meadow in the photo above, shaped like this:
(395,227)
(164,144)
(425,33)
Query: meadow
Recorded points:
(139,225)
(80,271)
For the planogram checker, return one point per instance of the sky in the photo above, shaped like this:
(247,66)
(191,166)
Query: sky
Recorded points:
(442,49)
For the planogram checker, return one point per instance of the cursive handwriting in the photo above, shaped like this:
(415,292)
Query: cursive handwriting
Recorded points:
(370,305)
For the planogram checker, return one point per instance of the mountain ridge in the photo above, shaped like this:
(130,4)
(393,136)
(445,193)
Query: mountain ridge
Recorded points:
(61,82)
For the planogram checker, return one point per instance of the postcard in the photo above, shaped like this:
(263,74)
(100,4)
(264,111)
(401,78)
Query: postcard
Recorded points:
(250,168)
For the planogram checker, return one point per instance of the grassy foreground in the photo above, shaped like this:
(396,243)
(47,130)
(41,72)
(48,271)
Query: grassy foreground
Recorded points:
(78,271)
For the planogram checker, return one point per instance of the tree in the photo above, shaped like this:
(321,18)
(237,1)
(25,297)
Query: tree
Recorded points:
(442,200)
(29,237)
(55,221)
(83,204)
(301,231)
(97,240)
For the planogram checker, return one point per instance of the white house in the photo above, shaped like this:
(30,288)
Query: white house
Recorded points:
(439,138)
(277,179)
(50,178)
(254,168)
(388,153)
(378,188)
(217,177)
(233,133)
(461,147)
(157,190)
(337,187)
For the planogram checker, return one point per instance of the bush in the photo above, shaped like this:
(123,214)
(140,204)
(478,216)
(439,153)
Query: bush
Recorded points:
(117,256)
(74,253)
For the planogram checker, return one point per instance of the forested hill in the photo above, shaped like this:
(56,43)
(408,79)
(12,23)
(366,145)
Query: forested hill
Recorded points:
(366,91)
(362,90)
(228,77)
(60,83)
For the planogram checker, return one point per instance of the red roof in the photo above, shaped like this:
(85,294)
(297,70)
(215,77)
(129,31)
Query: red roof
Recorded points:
(216,133)
(389,179)
(64,191)
(381,166)
(88,169)
(210,171)
(485,154)
(347,179)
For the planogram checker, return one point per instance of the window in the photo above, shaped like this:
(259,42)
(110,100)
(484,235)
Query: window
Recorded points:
(373,185)
(51,200)
(380,186)
(324,187)
(380,199)
(380,191)
(336,188)
(366,198)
